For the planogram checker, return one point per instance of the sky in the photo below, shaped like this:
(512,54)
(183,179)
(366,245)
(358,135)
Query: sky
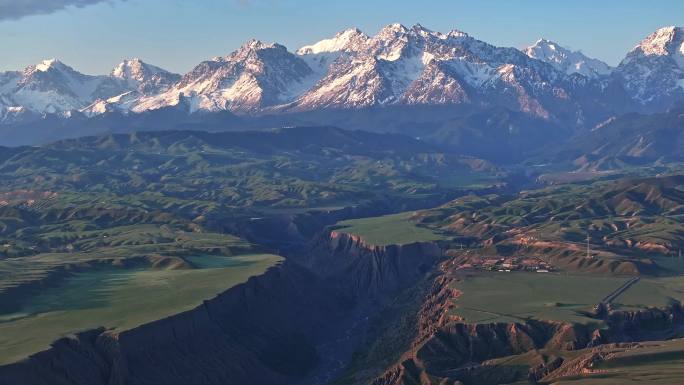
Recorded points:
(94,35)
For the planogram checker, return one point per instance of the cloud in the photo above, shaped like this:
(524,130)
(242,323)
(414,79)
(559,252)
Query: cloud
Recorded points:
(16,9)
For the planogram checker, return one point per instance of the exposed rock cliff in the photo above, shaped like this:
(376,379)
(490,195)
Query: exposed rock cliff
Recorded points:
(370,271)
(459,353)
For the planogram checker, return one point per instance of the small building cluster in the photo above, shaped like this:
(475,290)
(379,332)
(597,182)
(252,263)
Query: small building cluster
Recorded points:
(506,264)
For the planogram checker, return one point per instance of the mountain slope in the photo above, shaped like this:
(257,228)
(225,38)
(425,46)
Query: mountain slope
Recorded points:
(629,140)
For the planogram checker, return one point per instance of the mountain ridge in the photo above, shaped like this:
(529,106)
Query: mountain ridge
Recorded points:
(398,66)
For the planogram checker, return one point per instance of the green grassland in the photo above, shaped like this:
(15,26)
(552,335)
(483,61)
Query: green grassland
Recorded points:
(517,296)
(657,363)
(653,292)
(650,362)
(144,245)
(289,168)
(120,298)
(389,229)
(78,261)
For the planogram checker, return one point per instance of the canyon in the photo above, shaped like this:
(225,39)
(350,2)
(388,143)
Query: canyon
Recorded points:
(300,323)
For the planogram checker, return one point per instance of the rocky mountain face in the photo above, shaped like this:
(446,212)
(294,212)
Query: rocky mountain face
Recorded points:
(145,78)
(653,72)
(399,66)
(412,66)
(254,77)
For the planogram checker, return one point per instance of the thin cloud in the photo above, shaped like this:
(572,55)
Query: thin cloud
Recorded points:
(16,9)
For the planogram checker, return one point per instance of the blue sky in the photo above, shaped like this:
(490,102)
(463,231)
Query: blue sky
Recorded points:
(177,34)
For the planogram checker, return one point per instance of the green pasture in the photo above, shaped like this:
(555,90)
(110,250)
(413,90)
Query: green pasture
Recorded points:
(121,299)
(389,229)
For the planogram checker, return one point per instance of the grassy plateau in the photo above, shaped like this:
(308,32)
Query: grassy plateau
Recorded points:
(119,298)
(389,229)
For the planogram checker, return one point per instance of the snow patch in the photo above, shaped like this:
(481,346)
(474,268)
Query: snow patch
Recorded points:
(347,40)
(406,71)
(45,65)
(567,61)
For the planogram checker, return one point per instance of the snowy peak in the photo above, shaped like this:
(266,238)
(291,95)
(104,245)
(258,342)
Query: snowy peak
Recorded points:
(653,71)
(251,49)
(396,32)
(53,67)
(455,33)
(426,33)
(663,42)
(395,41)
(142,77)
(49,64)
(135,70)
(391,31)
(349,40)
(52,86)
(567,61)
(255,45)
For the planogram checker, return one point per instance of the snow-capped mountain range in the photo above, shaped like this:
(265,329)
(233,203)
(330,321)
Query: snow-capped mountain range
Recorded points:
(397,66)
